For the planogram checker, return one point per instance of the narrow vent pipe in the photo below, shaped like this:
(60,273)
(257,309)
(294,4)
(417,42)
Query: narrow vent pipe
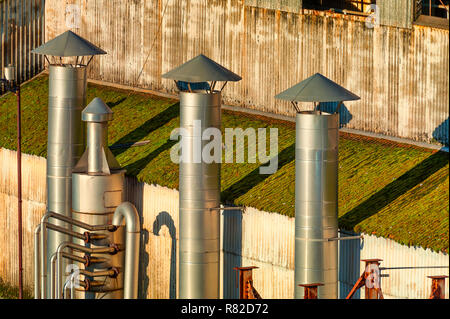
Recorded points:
(128,213)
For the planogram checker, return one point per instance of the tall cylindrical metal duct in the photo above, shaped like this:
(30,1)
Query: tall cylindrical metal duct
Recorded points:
(98,189)
(67,97)
(199,227)
(316,206)
(316,184)
(199,182)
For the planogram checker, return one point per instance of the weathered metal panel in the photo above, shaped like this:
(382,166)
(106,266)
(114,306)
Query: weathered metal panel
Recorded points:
(397,13)
(21,30)
(404,269)
(253,237)
(284,5)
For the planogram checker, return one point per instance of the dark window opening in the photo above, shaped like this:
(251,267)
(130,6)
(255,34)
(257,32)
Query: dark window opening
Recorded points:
(434,8)
(356,6)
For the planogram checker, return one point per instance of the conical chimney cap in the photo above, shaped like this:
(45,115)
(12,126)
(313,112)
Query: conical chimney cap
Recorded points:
(68,44)
(201,69)
(97,111)
(317,88)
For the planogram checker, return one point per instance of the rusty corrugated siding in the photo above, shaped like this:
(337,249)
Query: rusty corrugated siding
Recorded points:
(21,30)
(285,5)
(401,74)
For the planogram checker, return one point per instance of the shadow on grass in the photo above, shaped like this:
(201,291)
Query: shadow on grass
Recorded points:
(136,167)
(254,177)
(393,190)
(149,126)
(112,104)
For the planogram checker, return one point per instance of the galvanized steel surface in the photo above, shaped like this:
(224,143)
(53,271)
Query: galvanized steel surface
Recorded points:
(21,29)
(317,88)
(97,191)
(65,143)
(400,74)
(316,203)
(200,69)
(254,237)
(95,199)
(97,159)
(127,214)
(199,224)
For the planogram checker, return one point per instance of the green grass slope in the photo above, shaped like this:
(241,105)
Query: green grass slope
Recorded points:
(388,189)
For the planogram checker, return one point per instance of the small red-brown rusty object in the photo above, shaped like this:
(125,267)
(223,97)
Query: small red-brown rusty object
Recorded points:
(370,279)
(246,289)
(437,287)
(310,290)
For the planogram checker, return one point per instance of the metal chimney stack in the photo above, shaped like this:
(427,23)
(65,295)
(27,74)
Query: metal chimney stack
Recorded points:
(67,97)
(98,189)
(316,185)
(199,182)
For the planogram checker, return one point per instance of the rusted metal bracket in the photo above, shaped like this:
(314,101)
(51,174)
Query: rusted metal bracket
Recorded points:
(246,289)
(437,287)
(310,290)
(370,279)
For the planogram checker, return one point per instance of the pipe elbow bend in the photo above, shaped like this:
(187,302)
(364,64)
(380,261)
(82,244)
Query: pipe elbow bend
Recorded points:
(127,211)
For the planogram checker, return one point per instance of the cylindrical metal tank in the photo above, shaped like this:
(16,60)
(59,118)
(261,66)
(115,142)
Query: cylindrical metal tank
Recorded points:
(316,202)
(95,198)
(67,97)
(98,188)
(199,189)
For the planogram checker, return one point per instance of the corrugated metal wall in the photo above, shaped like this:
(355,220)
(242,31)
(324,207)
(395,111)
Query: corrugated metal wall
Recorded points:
(284,5)
(21,30)
(257,238)
(397,13)
(33,207)
(401,74)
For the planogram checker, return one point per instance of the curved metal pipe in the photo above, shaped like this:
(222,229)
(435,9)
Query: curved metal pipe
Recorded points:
(43,255)
(59,253)
(52,276)
(37,290)
(70,280)
(126,211)
(80,224)
(43,241)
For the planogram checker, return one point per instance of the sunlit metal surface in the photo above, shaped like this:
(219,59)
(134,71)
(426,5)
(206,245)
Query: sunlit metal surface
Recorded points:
(98,190)
(67,97)
(316,207)
(199,226)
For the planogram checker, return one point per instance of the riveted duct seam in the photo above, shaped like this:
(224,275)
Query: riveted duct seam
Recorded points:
(67,97)
(199,228)
(316,205)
